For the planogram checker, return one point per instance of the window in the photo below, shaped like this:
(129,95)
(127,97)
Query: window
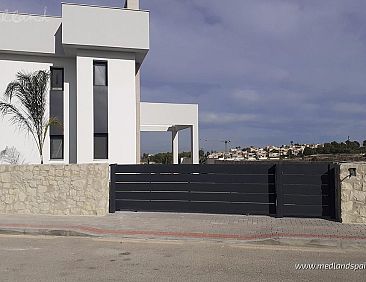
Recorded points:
(57,147)
(57,79)
(56,105)
(100,107)
(100,146)
(100,74)
(57,111)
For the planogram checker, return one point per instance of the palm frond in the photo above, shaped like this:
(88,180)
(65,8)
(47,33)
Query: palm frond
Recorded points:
(51,122)
(28,113)
(17,118)
(9,109)
(16,89)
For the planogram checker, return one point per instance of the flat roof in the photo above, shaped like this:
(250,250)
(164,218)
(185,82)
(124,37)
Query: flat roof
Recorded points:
(30,15)
(103,7)
(74,4)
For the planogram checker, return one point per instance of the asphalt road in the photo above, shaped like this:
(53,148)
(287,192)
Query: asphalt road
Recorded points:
(27,258)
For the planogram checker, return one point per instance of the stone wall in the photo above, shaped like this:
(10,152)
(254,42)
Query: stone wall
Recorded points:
(54,189)
(353,193)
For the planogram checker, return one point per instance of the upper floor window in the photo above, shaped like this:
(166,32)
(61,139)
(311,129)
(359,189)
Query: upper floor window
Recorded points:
(57,79)
(100,74)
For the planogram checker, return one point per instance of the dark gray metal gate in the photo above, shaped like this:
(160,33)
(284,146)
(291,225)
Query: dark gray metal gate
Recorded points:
(261,188)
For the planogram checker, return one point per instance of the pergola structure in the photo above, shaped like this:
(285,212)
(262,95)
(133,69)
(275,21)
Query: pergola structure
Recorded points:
(174,118)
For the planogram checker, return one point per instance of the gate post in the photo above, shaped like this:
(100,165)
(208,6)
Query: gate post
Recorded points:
(112,189)
(338,191)
(334,190)
(279,189)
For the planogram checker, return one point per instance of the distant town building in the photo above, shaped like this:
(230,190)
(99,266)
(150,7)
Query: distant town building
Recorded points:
(269,152)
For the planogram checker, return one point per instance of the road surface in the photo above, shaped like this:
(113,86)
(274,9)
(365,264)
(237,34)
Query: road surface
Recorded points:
(47,258)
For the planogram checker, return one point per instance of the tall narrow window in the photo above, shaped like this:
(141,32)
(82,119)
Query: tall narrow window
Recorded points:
(100,146)
(57,79)
(57,111)
(100,74)
(100,99)
(57,147)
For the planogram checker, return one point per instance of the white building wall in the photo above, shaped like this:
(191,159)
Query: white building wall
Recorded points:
(121,108)
(122,111)
(86,26)
(10,134)
(18,138)
(29,34)
(78,108)
(84,97)
(159,114)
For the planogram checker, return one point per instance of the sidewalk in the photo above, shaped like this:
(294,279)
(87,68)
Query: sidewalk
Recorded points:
(238,228)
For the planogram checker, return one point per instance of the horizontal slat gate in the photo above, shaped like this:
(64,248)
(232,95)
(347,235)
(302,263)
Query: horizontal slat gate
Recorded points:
(282,189)
(308,190)
(195,188)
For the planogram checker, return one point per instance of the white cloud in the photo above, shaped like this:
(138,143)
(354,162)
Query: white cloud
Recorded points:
(245,96)
(350,108)
(226,118)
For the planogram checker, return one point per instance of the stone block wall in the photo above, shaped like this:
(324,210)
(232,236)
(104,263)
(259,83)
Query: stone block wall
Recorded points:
(54,189)
(353,193)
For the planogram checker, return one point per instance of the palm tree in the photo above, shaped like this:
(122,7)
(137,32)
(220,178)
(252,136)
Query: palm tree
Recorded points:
(25,103)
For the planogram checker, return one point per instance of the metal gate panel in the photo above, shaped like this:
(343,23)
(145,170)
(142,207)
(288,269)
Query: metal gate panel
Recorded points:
(263,188)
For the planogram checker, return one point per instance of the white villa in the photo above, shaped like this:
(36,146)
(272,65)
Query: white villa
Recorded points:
(94,55)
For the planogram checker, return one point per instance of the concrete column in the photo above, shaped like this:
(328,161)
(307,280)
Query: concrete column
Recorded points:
(138,116)
(195,144)
(84,105)
(175,146)
(122,111)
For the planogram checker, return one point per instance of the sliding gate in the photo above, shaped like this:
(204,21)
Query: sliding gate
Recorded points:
(258,188)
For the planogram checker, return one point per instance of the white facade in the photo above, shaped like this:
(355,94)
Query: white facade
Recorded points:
(74,42)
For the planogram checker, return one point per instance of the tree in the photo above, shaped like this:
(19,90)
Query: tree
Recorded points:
(203,156)
(25,103)
(290,154)
(10,156)
(309,151)
(162,158)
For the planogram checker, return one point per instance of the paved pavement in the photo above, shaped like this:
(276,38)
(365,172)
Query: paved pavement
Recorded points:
(191,226)
(49,258)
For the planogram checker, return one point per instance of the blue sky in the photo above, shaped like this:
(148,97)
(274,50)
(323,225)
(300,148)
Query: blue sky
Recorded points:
(263,71)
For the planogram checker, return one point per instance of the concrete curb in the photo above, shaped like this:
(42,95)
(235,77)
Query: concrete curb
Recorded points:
(45,232)
(296,240)
(313,243)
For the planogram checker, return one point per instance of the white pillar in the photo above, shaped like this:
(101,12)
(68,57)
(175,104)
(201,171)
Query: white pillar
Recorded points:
(122,111)
(84,114)
(195,144)
(175,146)
(138,115)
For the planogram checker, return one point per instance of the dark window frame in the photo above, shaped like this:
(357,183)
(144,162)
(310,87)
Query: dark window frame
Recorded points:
(62,137)
(63,78)
(100,63)
(105,150)
(107,145)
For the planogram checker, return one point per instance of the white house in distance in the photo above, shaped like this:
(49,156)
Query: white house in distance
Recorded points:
(94,55)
